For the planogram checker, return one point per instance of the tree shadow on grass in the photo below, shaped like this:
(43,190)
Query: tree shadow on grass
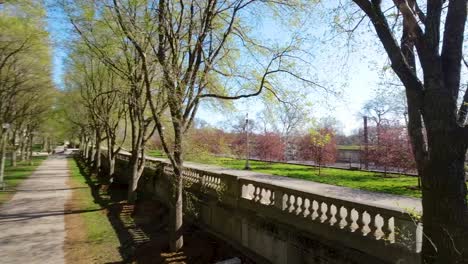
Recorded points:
(142,229)
(114,201)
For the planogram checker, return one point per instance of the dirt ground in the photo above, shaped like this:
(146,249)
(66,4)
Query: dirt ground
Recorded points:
(78,248)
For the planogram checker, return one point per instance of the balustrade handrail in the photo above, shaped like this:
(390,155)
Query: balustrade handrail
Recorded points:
(294,203)
(389,210)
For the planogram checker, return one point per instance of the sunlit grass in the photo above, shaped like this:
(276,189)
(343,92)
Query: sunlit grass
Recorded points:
(348,147)
(371,181)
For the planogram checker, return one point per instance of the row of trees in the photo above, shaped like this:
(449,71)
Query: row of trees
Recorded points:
(166,57)
(389,146)
(144,67)
(316,145)
(26,89)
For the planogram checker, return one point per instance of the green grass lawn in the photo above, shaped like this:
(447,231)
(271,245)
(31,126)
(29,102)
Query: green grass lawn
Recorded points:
(101,237)
(15,175)
(348,147)
(155,153)
(371,181)
(394,184)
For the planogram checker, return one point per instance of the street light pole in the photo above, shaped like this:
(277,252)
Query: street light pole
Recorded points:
(5,128)
(247,145)
(366,144)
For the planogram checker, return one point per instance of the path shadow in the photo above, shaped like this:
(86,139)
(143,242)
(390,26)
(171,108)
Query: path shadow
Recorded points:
(5,218)
(50,190)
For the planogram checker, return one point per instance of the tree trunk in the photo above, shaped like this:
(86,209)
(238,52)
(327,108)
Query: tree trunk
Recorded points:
(91,153)
(2,158)
(13,157)
(22,148)
(111,168)
(137,166)
(82,142)
(97,153)
(133,184)
(445,208)
(45,146)
(14,151)
(177,213)
(30,153)
(111,154)
(110,161)
(86,149)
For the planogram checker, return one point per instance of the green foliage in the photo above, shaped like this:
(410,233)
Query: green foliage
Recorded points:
(26,89)
(320,139)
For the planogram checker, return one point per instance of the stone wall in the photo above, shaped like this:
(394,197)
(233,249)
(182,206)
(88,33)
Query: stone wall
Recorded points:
(274,224)
(348,155)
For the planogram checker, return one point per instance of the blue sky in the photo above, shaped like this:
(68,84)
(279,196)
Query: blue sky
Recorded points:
(356,72)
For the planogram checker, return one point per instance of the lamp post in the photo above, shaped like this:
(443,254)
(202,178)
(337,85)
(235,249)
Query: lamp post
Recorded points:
(247,145)
(366,144)
(5,128)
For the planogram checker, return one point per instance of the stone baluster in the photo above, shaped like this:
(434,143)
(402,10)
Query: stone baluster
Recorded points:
(260,194)
(349,219)
(255,194)
(372,226)
(339,217)
(279,200)
(315,211)
(202,180)
(330,216)
(360,222)
(386,231)
(323,212)
(298,205)
(272,198)
(304,208)
(290,202)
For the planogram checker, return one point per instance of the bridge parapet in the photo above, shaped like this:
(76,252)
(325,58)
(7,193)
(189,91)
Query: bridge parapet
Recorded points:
(280,224)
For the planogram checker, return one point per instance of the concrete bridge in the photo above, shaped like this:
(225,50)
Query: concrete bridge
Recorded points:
(283,220)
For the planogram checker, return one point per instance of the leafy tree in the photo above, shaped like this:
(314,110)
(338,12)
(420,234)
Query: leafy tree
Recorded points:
(269,146)
(108,42)
(394,150)
(319,145)
(195,45)
(26,89)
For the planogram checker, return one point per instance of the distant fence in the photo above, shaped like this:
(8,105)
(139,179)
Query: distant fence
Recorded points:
(351,167)
(276,224)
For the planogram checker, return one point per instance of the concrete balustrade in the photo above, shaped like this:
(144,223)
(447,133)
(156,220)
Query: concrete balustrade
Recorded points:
(276,223)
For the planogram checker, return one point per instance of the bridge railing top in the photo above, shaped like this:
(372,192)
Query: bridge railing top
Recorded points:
(377,217)
(389,202)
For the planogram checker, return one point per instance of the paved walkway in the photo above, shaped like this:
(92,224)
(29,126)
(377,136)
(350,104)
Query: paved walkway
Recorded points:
(390,201)
(32,226)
